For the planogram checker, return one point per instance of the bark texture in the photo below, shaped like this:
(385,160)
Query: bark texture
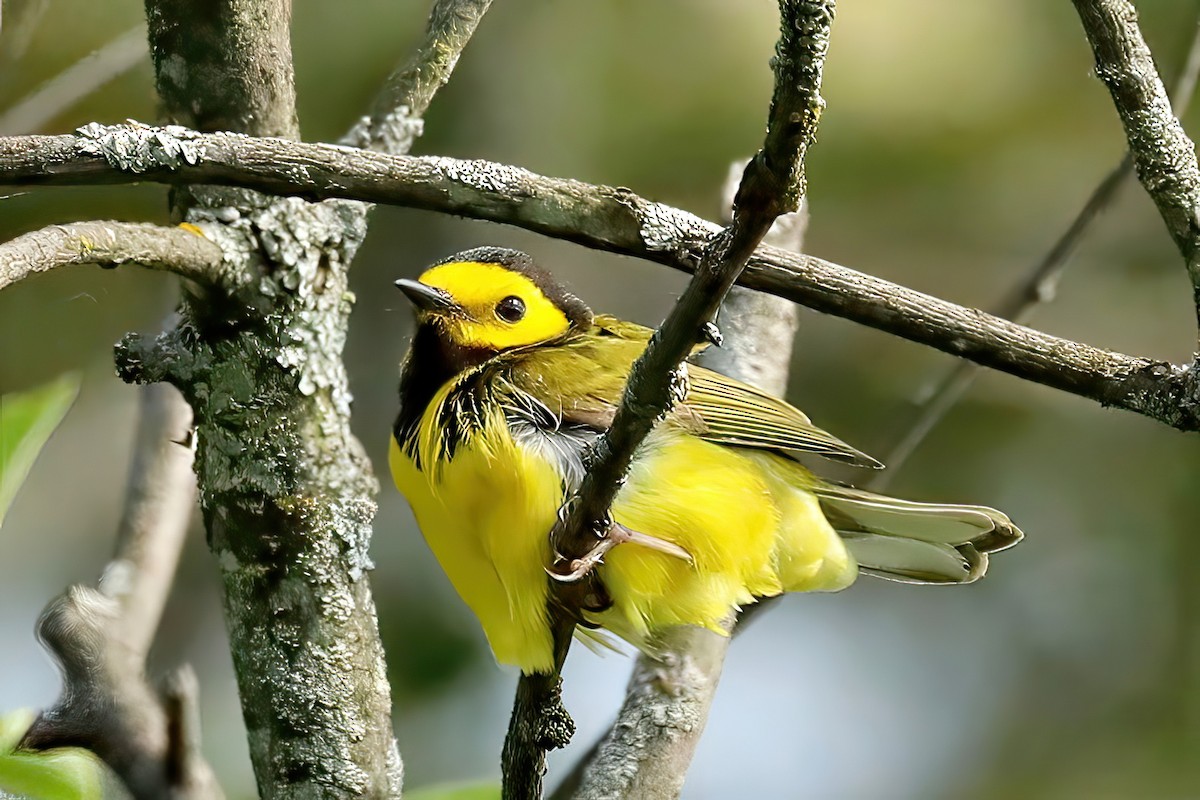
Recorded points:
(286,490)
(607,218)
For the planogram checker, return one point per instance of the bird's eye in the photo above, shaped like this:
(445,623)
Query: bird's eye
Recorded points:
(511,309)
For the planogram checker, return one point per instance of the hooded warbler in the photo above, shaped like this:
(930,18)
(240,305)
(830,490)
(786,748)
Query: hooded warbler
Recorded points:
(510,378)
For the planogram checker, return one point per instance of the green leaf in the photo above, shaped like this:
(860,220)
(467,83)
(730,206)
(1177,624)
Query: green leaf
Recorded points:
(65,774)
(26,421)
(456,791)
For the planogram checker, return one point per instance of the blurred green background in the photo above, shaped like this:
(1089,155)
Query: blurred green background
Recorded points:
(959,141)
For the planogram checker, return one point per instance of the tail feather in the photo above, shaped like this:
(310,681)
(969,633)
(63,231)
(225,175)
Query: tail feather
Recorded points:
(914,542)
(914,561)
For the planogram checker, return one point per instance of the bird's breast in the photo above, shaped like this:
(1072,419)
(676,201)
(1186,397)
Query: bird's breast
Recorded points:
(485,506)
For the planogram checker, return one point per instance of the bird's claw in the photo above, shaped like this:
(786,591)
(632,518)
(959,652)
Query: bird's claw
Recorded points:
(613,534)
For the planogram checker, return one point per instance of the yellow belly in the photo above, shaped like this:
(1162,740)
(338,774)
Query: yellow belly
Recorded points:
(744,516)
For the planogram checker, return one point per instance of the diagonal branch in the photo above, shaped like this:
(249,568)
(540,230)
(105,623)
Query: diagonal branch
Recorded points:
(101,637)
(109,245)
(396,115)
(75,82)
(651,743)
(1036,288)
(605,218)
(1163,154)
(772,184)
(159,500)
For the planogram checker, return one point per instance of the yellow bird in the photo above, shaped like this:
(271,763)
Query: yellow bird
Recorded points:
(508,381)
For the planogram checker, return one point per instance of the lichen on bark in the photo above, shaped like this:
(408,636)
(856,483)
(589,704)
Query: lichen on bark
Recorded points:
(286,490)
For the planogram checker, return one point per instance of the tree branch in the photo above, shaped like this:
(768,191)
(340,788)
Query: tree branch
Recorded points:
(286,489)
(100,638)
(1036,288)
(772,183)
(1163,154)
(159,499)
(109,245)
(647,750)
(605,218)
(225,66)
(75,83)
(396,116)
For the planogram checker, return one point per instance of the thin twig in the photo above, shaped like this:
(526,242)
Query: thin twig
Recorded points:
(101,637)
(1037,287)
(111,244)
(606,218)
(1163,154)
(650,745)
(396,115)
(76,82)
(772,184)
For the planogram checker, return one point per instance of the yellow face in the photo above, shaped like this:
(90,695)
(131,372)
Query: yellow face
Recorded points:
(493,307)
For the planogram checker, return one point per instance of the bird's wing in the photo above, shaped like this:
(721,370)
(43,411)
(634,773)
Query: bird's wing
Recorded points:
(735,413)
(717,408)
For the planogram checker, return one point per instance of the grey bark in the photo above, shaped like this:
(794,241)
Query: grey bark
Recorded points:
(110,244)
(225,65)
(100,637)
(606,218)
(160,496)
(771,184)
(1163,154)
(1037,287)
(396,115)
(300,521)
(286,490)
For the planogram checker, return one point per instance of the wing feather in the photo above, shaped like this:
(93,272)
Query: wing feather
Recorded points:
(591,370)
(738,414)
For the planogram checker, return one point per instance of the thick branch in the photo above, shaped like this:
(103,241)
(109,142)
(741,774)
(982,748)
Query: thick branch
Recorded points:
(101,638)
(225,65)
(606,218)
(111,244)
(396,115)
(1162,152)
(287,492)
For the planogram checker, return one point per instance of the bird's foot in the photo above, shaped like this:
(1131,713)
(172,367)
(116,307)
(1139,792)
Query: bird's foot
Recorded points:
(570,571)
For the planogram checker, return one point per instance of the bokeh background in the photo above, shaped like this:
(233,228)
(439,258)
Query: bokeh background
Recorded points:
(959,141)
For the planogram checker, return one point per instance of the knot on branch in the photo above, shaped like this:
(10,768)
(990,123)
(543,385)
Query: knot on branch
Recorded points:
(555,726)
(176,356)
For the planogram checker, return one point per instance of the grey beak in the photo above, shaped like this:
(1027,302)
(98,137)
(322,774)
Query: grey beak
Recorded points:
(426,298)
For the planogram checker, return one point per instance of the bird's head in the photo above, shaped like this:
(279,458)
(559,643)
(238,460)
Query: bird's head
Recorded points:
(491,299)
